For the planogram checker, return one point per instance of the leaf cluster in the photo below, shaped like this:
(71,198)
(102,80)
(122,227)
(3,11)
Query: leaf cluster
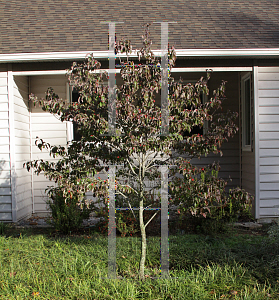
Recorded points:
(137,144)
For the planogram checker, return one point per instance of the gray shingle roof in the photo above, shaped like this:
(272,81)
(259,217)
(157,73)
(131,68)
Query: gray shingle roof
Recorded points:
(58,26)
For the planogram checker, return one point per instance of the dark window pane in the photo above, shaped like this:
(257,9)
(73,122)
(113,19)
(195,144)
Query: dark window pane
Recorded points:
(247,110)
(195,129)
(77,136)
(75,96)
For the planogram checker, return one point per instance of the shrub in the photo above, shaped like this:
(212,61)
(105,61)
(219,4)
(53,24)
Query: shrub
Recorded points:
(202,193)
(67,215)
(204,205)
(126,223)
(239,205)
(3,228)
(273,231)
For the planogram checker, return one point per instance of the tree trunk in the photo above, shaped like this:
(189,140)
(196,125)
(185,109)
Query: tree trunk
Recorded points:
(143,242)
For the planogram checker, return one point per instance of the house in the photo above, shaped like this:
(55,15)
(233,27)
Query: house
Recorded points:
(237,39)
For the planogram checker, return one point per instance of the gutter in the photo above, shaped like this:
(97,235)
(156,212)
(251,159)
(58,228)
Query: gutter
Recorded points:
(52,56)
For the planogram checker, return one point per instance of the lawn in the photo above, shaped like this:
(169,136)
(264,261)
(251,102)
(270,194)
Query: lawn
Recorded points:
(38,265)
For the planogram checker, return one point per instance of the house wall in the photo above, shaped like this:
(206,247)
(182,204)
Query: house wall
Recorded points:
(51,130)
(230,161)
(248,156)
(23,192)
(46,127)
(268,139)
(248,174)
(5,174)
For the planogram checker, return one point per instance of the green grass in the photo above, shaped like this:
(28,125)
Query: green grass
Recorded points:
(38,266)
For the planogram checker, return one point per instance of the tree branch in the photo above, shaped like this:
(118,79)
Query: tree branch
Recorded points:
(151,218)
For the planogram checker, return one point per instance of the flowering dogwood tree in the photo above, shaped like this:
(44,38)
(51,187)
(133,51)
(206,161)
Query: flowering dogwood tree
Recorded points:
(138,144)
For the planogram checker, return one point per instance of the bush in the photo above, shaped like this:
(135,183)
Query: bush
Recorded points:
(126,223)
(3,228)
(273,231)
(210,226)
(187,223)
(204,205)
(67,215)
(237,205)
(202,193)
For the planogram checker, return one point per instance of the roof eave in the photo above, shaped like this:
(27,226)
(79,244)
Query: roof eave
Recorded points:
(58,56)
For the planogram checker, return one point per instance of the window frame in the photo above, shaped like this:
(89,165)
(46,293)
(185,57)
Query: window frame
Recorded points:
(70,125)
(244,79)
(74,132)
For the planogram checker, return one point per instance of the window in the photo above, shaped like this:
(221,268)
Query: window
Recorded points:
(74,98)
(246,112)
(196,129)
(72,133)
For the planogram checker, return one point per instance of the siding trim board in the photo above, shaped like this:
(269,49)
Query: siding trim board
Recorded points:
(12,143)
(240,128)
(31,152)
(257,145)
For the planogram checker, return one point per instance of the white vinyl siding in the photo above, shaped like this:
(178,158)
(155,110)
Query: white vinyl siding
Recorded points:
(268,135)
(46,127)
(22,147)
(5,173)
